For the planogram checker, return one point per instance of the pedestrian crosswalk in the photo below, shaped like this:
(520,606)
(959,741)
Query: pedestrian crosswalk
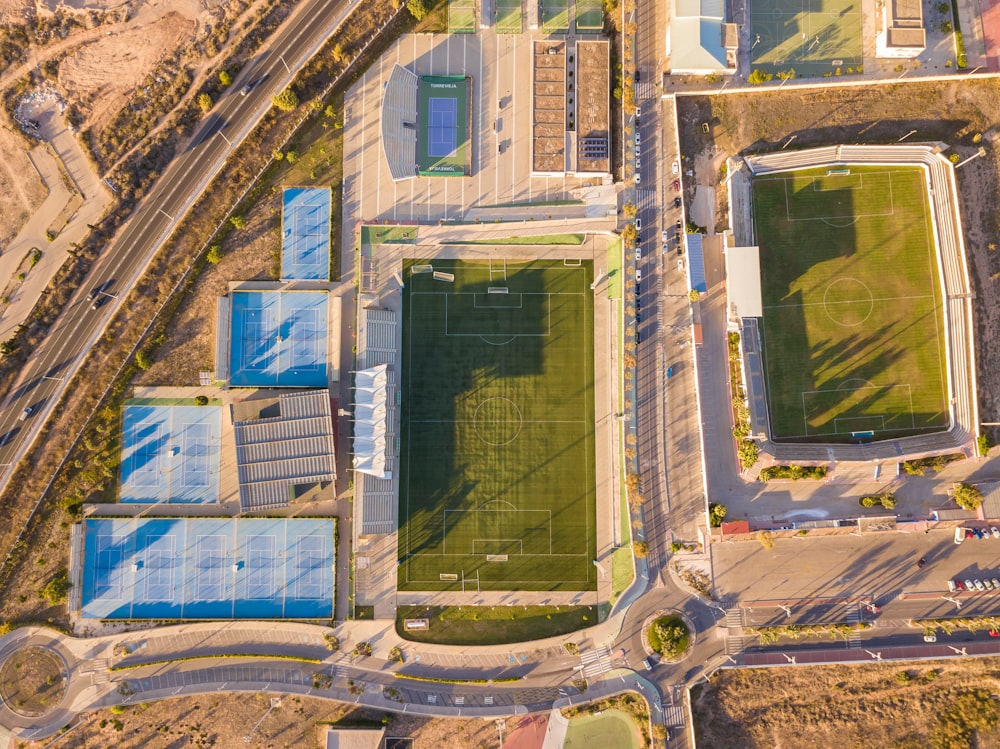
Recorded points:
(673,715)
(852,618)
(596,662)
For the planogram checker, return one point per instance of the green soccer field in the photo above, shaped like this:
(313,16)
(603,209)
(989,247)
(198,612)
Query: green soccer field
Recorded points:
(497,477)
(853,326)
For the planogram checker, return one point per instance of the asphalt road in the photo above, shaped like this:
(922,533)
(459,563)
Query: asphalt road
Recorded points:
(54,363)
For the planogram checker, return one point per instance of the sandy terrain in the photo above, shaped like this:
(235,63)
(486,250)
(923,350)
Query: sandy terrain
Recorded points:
(952,113)
(223,722)
(21,189)
(104,72)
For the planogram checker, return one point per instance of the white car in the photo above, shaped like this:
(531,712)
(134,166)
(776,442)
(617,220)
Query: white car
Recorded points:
(637,138)
(996,583)
(959,535)
(987,584)
(979,584)
(995,531)
(675,168)
(638,253)
(638,224)
(638,275)
(969,585)
(638,162)
(638,178)
(952,588)
(930,638)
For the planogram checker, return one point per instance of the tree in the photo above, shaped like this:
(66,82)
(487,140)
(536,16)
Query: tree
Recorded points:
(338,54)
(716,514)
(238,222)
(641,549)
(418,9)
(57,588)
(967,496)
(630,234)
(758,76)
(143,360)
(214,255)
(659,731)
(983,444)
(694,295)
(225,78)
(205,102)
(630,210)
(201,400)
(286,101)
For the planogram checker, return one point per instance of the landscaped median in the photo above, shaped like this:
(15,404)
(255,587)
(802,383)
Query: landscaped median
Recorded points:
(446,680)
(165,661)
(769,635)
(971,624)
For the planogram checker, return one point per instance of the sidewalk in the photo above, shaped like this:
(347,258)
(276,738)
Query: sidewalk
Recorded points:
(77,197)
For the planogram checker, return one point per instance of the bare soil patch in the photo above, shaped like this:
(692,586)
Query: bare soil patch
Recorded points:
(873,706)
(103,73)
(32,681)
(962,115)
(223,722)
(21,188)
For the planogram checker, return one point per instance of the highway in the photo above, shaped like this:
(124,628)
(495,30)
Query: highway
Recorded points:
(54,363)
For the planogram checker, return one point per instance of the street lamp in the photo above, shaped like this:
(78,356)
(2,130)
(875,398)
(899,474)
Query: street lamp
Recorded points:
(957,650)
(958,604)
(755,42)
(786,609)
(876,656)
(789,658)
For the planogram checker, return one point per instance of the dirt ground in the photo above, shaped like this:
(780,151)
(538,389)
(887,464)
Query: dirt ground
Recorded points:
(21,189)
(223,722)
(103,73)
(874,706)
(953,113)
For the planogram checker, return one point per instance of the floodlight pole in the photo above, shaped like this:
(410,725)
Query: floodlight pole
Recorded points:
(976,155)
(789,141)
(876,656)
(958,604)
(957,650)
(906,136)
(786,609)
(789,658)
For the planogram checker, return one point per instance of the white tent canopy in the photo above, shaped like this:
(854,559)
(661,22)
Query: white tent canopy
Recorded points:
(371,392)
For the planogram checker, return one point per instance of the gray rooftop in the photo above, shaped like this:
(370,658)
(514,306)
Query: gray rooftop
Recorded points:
(281,443)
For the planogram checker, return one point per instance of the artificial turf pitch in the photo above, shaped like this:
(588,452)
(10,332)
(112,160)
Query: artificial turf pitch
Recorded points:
(853,325)
(497,478)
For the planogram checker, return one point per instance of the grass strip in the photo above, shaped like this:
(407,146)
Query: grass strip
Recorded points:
(493,625)
(543,239)
(130,666)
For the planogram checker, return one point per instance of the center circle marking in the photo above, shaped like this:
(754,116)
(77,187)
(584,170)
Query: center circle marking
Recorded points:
(848,302)
(498,421)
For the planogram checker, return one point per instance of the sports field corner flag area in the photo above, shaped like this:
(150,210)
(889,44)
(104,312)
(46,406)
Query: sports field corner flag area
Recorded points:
(497,483)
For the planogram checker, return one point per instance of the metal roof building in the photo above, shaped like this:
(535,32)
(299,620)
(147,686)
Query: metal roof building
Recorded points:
(696,263)
(697,38)
(282,443)
(743,282)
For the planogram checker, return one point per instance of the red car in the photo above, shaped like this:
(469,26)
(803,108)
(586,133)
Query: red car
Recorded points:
(959,584)
(677,185)
(995,633)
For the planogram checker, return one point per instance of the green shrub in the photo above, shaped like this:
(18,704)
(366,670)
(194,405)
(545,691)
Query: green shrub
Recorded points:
(204,102)
(983,445)
(716,514)
(758,76)
(201,400)
(143,360)
(418,9)
(225,78)
(286,100)
(967,496)
(214,255)
(56,589)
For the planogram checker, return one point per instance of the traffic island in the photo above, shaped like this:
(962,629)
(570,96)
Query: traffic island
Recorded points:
(33,681)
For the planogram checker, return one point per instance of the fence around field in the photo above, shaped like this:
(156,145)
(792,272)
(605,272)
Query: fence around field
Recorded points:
(462,17)
(509,17)
(589,15)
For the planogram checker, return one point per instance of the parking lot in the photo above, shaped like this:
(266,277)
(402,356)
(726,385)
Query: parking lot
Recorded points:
(880,566)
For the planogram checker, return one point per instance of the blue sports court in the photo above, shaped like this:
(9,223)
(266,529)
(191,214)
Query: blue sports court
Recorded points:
(208,568)
(278,339)
(170,454)
(305,233)
(442,126)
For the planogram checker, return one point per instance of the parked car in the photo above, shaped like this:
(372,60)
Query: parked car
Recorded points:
(638,224)
(959,535)
(996,582)
(987,584)
(951,586)
(969,533)
(638,276)
(995,531)
(994,633)
(677,182)
(638,178)
(930,638)
(979,584)
(638,252)
(674,167)
(969,585)
(677,202)
(959,585)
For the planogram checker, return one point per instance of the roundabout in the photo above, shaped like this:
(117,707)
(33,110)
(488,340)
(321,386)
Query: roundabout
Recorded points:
(669,635)
(33,681)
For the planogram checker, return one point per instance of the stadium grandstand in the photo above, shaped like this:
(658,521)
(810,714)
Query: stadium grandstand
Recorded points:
(399,123)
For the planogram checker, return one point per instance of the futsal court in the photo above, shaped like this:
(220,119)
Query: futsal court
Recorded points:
(208,568)
(813,37)
(170,454)
(278,339)
(305,233)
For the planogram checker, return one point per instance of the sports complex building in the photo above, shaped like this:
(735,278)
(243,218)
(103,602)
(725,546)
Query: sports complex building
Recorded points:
(229,455)
(848,287)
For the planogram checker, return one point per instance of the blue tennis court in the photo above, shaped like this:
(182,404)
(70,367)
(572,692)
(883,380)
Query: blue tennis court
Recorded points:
(442,126)
(208,568)
(170,454)
(305,233)
(278,339)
